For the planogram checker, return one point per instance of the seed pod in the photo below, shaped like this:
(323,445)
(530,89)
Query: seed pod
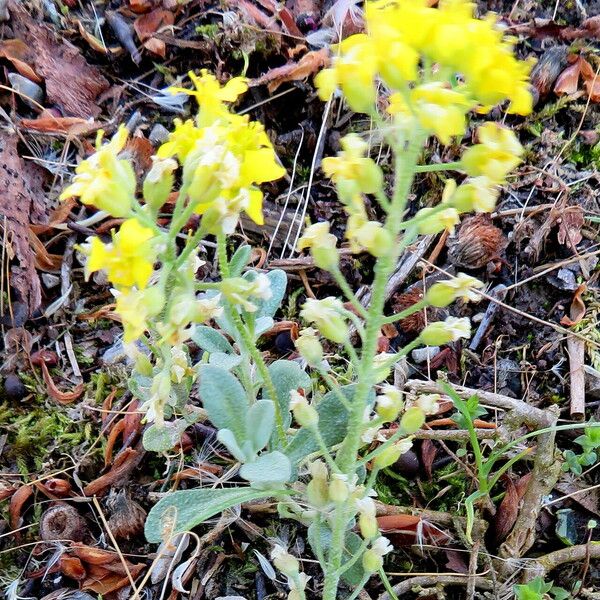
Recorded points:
(127,518)
(63,522)
(478,242)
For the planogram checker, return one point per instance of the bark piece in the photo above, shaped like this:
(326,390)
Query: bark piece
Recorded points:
(71,82)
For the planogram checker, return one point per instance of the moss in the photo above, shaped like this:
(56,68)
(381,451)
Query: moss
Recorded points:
(209,31)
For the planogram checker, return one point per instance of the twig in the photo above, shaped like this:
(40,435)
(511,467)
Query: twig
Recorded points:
(426,581)
(548,562)
(576,351)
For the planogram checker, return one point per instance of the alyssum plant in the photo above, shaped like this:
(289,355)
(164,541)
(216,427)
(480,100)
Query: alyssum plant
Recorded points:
(416,72)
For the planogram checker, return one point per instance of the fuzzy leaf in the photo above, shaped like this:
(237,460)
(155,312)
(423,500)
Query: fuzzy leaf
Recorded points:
(278,281)
(269,470)
(287,376)
(162,438)
(239,260)
(224,399)
(211,340)
(184,509)
(259,423)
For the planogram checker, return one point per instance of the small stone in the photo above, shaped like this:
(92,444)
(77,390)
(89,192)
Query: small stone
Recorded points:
(14,387)
(158,135)
(29,92)
(422,355)
(50,280)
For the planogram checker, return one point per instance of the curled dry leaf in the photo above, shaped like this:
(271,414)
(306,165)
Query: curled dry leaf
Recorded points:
(406,530)
(569,226)
(55,393)
(123,465)
(309,64)
(577,310)
(147,25)
(568,80)
(19,54)
(508,511)
(74,126)
(15,508)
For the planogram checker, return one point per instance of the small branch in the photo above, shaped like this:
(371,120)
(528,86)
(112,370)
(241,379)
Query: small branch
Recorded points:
(433,581)
(548,562)
(576,351)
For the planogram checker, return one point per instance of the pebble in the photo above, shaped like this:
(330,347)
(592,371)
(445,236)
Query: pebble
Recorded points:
(158,135)
(14,387)
(421,355)
(31,93)
(50,280)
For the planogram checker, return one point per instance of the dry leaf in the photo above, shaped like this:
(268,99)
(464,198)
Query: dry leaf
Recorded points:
(66,125)
(508,511)
(54,392)
(71,83)
(19,54)
(123,465)
(15,508)
(309,64)
(44,261)
(147,25)
(568,80)
(577,310)
(569,229)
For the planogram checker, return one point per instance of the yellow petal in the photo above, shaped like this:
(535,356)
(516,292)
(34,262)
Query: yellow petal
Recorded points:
(254,209)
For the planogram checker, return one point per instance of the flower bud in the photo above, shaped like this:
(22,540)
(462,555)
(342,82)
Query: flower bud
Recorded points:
(305,414)
(389,403)
(159,182)
(338,488)
(328,315)
(309,346)
(367,522)
(439,221)
(390,454)
(412,419)
(371,561)
(477,194)
(284,561)
(443,332)
(322,244)
(317,488)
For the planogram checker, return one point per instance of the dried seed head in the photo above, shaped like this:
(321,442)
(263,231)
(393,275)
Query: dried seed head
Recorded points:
(478,242)
(63,522)
(416,322)
(127,518)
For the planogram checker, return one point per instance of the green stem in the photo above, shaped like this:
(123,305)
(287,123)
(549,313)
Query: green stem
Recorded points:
(450,166)
(347,290)
(348,454)
(316,432)
(420,305)
(387,585)
(249,343)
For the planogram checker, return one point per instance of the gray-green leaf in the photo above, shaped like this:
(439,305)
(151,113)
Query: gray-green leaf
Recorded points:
(211,340)
(183,510)
(259,423)
(269,470)
(224,399)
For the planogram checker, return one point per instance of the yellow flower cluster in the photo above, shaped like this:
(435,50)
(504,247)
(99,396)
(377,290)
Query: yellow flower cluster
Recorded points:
(224,156)
(403,35)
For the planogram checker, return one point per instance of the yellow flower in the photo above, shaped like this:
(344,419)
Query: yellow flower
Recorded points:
(440,220)
(367,235)
(498,153)
(211,95)
(351,171)
(128,259)
(181,141)
(103,180)
(353,71)
(322,244)
(135,307)
(440,109)
(477,194)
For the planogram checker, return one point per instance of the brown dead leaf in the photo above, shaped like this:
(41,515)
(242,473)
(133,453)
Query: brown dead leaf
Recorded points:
(569,226)
(71,567)
(44,260)
(568,80)
(407,530)
(71,83)
(57,216)
(577,310)
(508,511)
(19,54)
(22,201)
(66,125)
(585,496)
(309,64)
(55,393)
(253,14)
(428,452)
(15,508)
(125,462)
(147,25)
